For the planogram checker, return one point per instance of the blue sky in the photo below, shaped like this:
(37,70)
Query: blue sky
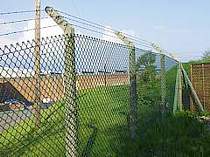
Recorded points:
(180,26)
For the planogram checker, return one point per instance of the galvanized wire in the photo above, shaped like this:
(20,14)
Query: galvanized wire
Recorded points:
(84,96)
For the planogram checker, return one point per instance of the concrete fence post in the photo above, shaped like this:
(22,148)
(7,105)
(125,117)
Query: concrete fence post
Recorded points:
(176,93)
(133,85)
(163,82)
(69,83)
(70,97)
(193,92)
(180,101)
(133,92)
(178,90)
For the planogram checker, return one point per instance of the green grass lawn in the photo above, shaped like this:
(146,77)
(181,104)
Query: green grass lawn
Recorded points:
(103,108)
(103,128)
(106,109)
(23,139)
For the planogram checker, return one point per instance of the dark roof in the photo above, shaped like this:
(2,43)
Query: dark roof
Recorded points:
(8,91)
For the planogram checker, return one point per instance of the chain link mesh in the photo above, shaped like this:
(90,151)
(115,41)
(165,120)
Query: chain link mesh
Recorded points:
(84,96)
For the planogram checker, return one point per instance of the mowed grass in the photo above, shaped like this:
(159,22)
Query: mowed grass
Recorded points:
(24,139)
(101,112)
(106,109)
(103,128)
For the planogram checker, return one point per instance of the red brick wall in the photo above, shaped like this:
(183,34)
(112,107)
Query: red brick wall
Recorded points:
(53,86)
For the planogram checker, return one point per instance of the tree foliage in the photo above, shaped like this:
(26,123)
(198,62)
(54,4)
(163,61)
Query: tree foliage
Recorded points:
(206,55)
(146,67)
(148,82)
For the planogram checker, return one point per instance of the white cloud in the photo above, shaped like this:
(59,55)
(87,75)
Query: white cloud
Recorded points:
(48,26)
(5,40)
(50,29)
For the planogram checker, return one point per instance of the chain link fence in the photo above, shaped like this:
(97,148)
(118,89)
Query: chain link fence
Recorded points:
(80,102)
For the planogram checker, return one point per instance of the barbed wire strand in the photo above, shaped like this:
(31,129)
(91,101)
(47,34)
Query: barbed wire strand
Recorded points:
(102,29)
(100,25)
(88,29)
(85,22)
(25,30)
(20,21)
(137,40)
(18,12)
(79,26)
(93,24)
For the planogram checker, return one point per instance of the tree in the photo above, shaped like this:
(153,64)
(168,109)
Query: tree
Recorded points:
(148,84)
(146,67)
(206,55)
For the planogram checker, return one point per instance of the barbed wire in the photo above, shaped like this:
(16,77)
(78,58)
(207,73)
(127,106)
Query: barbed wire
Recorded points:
(20,21)
(75,25)
(142,43)
(79,20)
(138,41)
(99,32)
(104,27)
(25,30)
(82,21)
(19,12)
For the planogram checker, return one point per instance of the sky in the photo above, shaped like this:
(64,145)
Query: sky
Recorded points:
(181,27)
